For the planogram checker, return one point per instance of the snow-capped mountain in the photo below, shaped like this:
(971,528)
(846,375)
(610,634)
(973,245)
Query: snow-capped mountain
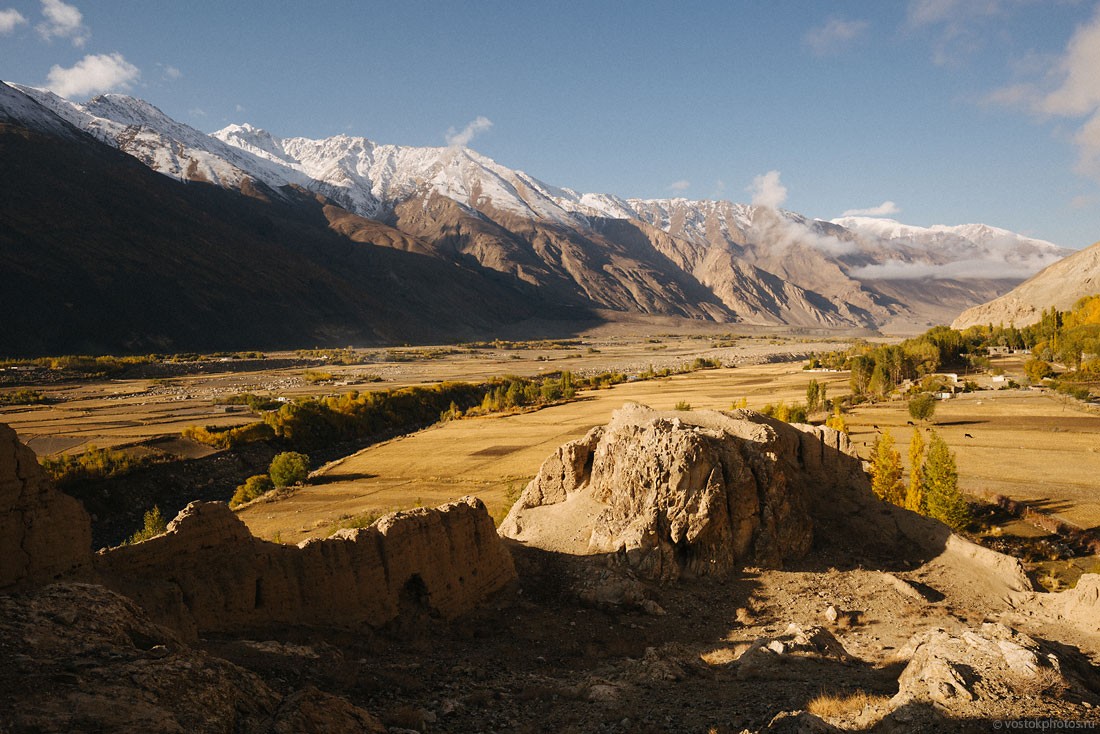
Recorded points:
(715,260)
(962,251)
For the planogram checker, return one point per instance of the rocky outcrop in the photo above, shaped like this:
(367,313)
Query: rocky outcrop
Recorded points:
(44,534)
(207,573)
(684,493)
(78,657)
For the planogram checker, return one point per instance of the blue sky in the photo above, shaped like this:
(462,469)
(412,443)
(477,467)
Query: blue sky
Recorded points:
(955,111)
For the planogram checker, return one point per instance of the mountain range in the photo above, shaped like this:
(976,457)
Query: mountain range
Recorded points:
(127,230)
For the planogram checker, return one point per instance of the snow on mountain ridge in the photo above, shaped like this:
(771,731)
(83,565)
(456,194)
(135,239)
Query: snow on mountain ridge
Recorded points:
(370,178)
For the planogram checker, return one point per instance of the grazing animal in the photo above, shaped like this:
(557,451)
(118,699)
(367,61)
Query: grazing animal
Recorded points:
(909,423)
(874,426)
(967,435)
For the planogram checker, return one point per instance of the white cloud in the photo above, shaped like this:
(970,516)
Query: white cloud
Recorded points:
(94,74)
(463,138)
(197,112)
(171,72)
(834,36)
(885,209)
(960,269)
(767,191)
(719,189)
(9,19)
(681,185)
(239,108)
(63,21)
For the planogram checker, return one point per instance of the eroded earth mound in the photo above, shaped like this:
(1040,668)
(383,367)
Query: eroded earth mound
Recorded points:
(696,493)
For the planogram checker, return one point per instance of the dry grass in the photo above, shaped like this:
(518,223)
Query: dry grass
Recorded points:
(829,705)
(725,655)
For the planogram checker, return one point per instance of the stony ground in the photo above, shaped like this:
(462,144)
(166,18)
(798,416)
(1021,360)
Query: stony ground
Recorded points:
(552,655)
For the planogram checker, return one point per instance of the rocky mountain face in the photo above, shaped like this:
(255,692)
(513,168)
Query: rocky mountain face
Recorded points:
(715,261)
(1058,286)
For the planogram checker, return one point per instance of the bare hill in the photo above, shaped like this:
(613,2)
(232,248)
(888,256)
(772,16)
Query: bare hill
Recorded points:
(1058,285)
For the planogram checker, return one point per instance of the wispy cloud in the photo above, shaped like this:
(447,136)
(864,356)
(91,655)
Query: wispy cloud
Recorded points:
(680,186)
(885,209)
(767,191)
(197,112)
(462,138)
(835,36)
(63,21)
(960,26)
(171,72)
(1068,87)
(94,74)
(719,189)
(9,19)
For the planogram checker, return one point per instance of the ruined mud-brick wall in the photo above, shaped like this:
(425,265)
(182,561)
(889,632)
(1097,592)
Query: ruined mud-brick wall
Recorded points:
(45,535)
(208,573)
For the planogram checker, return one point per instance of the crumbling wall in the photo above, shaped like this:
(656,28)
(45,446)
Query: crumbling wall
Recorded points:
(209,574)
(45,534)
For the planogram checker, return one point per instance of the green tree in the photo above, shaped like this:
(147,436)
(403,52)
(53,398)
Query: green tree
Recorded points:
(289,468)
(862,367)
(154,524)
(813,396)
(880,383)
(914,494)
(941,486)
(922,407)
(886,470)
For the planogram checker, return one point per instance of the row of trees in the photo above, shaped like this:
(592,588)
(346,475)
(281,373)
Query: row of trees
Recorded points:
(933,487)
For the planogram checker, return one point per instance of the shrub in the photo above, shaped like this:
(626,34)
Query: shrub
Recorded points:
(289,468)
(1037,370)
(683,405)
(252,488)
(23,397)
(836,421)
(94,463)
(922,407)
(229,438)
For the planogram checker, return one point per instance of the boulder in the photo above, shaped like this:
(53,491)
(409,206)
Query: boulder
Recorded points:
(45,535)
(990,663)
(684,493)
